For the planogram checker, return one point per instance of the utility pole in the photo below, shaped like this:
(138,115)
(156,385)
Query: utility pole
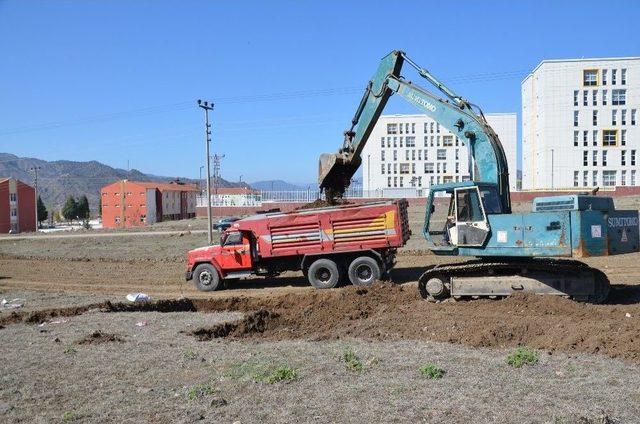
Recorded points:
(207,107)
(35,183)
(200,180)
(216,172)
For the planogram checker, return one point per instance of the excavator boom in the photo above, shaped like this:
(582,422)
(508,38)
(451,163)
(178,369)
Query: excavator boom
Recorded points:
(454,113)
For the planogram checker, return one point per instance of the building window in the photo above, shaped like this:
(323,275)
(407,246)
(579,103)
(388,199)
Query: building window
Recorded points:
(575,118)
(413,168)
(633,177)
(447,140)
(585,178)
(623,157)
(428,168)
(457,154)
(382,141)
(401,139)
(633,116)
(594,162)
(410,141)
(406,155)
(382,156)
(117,219)
(442,154)
(413,128)
(576,178)
(614,117)
(143,218)
(419,154)
(595,117)
(388,141)
(13,197)
(14,212)
(392,128)
(395,168)
(623,117)
(575,97)
(431,127)
(437,127)
(432,138)
(395,181)
(457,167)
(413,155)
(395,141)
(438,141)
(633,158)
(595,178)
(594,98)
(575,138)
(585,98)
(585,158)
(623,77)
(623,137)
(395,155)
(604,157)
(613,76)
(609,137)
(425,154)
(590,77)
(619,97)
(388,181)
(609,177)
(623,177)
(382,169)
(404,168)
(584,137)
(595,137)
(444,167)
(604,97)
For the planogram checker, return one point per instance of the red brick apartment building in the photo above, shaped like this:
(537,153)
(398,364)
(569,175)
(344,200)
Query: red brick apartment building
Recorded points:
(133,203)
(17,206)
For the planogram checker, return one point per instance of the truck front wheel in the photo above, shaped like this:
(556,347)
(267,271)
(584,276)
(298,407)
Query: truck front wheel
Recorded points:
(323,274)
(206,277)
(364,271)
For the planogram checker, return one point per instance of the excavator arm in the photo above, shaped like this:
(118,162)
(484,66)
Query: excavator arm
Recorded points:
(454,113)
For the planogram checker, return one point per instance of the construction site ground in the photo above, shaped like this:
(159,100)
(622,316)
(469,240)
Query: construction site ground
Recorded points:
(79,351)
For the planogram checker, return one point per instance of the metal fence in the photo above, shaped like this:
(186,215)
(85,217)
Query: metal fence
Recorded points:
(306,196)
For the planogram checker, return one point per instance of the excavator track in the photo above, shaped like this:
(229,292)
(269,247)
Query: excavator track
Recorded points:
(495,278)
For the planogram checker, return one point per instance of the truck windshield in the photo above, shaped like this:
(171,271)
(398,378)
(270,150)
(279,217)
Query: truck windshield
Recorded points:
(232,238)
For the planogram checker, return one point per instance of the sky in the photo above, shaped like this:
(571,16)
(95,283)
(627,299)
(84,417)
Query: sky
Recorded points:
(117,81)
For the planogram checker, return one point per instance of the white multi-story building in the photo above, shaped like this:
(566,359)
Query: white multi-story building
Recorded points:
(580,124)
(414,151)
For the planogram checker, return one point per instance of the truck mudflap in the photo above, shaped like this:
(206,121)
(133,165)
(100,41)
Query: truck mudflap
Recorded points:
(188,275)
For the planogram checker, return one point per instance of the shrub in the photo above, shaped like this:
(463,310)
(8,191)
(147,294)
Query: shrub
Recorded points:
(352,361)
(522,356)
(432,371)
(199,391)
(282,373)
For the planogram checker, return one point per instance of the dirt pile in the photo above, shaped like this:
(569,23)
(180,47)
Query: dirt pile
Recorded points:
(390,312)
(319,203)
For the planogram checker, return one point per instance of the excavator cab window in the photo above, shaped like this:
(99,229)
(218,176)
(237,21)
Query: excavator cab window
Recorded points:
(472,227)
(490,200)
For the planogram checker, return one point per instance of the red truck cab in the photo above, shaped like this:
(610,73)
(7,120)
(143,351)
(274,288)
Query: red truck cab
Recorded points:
(326,244)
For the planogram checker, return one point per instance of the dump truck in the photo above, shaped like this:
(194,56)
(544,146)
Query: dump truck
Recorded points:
(328,244)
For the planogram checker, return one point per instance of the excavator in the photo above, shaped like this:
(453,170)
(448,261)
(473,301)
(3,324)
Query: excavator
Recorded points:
(533,252)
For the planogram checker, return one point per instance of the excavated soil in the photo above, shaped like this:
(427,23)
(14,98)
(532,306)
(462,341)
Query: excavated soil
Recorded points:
(319,203)
(391,312)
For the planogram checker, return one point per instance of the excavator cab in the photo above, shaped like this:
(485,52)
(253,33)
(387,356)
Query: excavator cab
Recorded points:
(456,215)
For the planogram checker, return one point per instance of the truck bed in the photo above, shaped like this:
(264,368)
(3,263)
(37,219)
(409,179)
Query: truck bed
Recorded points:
(373,225)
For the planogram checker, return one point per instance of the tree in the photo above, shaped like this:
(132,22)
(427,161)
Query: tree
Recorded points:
(100,206)
(83,208)
(70,209)
(42,211)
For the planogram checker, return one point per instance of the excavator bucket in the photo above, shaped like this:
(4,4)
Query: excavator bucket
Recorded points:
(334,175)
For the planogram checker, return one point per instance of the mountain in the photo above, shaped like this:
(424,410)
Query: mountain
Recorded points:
(279,185)
(62,178)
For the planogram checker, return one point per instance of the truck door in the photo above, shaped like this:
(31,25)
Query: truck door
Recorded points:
(235,253)
(472,226)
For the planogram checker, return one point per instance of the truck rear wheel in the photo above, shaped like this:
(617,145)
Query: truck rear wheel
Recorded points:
(323,274)
(206,277)
(364,271)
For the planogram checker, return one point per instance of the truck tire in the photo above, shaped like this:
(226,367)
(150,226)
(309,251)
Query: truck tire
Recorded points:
(364,271)
(323,274)
(206,277)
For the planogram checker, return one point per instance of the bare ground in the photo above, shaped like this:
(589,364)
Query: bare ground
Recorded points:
(198,348)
